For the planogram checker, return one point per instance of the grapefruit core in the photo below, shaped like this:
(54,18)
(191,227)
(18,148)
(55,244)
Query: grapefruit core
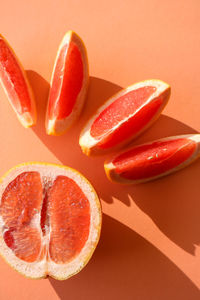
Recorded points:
(50,220)
(16,86)
(69,84)
(153,160)
(124,116)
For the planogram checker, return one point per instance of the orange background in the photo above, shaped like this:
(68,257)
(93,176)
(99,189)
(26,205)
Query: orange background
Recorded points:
(150,243)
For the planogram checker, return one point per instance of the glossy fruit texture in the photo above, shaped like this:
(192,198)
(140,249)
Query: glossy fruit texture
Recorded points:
(48,220)
(153,160)
(68,85)
(123,117)
(16,86)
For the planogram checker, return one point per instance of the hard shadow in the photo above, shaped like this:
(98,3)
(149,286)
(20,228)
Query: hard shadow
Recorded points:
(172,202)
(126,266)
(66,147)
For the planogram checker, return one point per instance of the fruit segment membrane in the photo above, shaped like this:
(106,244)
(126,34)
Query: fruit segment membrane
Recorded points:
(67,82)
(13,79)
(32,213)
(125,117)
(151,160)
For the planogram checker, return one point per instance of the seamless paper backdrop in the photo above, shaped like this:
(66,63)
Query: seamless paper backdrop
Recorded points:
(150,243)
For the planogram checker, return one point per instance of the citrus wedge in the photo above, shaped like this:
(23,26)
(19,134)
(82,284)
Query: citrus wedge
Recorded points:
(124,116)
(16,86)
(153,160)
(50,220)
(69,84)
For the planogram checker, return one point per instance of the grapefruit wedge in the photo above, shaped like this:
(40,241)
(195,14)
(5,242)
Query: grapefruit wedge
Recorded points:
(153,160)
(124,116)
(16,86)
(69,84)
(50,220)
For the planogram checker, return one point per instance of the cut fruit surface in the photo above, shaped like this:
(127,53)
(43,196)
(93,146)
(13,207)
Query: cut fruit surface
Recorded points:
(124,116)
(15,83)
(69,84)
(68,237)
(50,220)
(153,160)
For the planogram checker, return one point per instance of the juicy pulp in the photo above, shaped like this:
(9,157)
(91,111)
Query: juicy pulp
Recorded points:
(13,79)
(125,117)
(67,82)
(151,160)
(32,213)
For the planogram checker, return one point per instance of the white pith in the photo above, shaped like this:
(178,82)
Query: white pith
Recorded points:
(42,268)
(86,141)
(26,118)
(57,127)
(110,167)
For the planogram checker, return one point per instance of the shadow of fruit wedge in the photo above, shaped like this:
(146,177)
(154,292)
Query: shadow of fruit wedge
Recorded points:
(16,86)
(124,116)
(50,220)
(69,85)
(153,160)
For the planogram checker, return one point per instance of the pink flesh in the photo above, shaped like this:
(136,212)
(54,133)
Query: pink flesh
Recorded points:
(133,126)
(63,208)
(70,219)
(151,160)
(21,199)
(121,111)
(13,79)
(67,82)
(20,202)
(25,242)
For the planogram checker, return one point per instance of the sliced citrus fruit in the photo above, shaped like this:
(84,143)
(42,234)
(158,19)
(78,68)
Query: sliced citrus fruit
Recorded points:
(69,84)
(153,160)
(124,116)
(15,83)
(50,220)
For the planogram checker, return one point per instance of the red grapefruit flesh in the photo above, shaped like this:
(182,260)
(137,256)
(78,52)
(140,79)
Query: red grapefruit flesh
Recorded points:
(50,220)
(24,242)
(68,85)
(17,214)
(123,117)
(153,160)
(16,86)
(70,225)
(72,82)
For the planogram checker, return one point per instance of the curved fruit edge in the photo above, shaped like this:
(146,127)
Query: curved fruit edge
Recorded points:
(72,118)
(89,255)
(98,203)
(23,119)
(92,151)
(97,152)
(116,178)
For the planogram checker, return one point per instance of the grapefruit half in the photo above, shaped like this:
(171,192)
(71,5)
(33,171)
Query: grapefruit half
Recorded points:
(153,160)
(124,116)
(69,84)
(16,86)
(50,220)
